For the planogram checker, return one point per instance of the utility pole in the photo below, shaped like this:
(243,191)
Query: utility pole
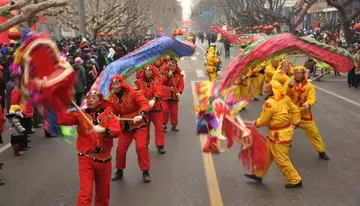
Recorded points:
(81,10)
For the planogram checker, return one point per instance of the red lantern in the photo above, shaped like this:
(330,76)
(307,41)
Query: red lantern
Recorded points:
(270,27)
(102,35)
(255,28)
(14,34)
(276,24)
(261,27)
(357,27)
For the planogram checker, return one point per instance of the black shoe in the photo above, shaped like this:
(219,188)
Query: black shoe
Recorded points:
(253,177)
(2,183)
(146,176)
(323,155)
(173,128)
(256,99)
(290,145)
(118,175)
(161,150)
(291,186)
(1,164)
(24,149)
(165,128)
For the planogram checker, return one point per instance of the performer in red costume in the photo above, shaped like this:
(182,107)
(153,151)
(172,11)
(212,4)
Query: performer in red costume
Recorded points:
(174,87)
(94,145)
(150,85)
(160,65)
(129,103)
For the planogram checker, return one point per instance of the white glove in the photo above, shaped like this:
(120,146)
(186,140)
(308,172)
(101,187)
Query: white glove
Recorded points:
(310,80)
(137,119)
(306,106)
(151,103)
(292,82)
(98,129)
(178,95)
(170,72)
(243,77)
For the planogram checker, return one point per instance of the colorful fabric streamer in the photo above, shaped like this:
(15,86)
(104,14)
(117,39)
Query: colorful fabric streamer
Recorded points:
(146,54)
(262,50)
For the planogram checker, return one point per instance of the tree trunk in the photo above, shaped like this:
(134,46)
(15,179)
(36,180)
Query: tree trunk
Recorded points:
(347,31)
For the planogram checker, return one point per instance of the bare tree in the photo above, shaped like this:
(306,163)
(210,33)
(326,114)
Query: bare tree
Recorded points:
(345,17)
(102,16)
(30,11)
(247,13)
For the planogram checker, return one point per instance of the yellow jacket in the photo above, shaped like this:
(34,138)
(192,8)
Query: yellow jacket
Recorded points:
(254,71)
(211,60)
(269,72)
(279,116)
(302,93)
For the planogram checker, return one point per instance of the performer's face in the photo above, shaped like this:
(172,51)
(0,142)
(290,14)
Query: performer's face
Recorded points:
(268,90)
(275,64)
(116,86)
(172,67)
(148,73)
(285,67)
(158,62)
(93,101)
(299,75)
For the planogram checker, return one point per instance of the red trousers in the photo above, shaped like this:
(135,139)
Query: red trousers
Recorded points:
(124,141)
(156,117)
(90,172)
(171,106)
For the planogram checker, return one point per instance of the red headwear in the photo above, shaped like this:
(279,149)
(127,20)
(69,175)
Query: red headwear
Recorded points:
(119,78)
(104,102)
(173,61)
(153,68)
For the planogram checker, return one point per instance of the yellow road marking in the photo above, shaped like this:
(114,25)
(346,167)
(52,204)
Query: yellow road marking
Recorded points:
(210,173)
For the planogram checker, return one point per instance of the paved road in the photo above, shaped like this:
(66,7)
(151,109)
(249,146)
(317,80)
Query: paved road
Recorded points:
(47,174)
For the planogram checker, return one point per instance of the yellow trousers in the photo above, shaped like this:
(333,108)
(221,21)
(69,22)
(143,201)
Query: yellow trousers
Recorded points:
(312,132)
(212,76)
(254,87)
(241,91)
(280,154)
(261,83)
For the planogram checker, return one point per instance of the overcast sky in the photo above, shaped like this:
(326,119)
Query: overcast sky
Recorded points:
(186,9)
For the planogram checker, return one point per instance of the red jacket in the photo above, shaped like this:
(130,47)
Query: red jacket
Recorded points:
(173,85)
(130,104)
(151,89)
(88,140)
(2,120)
(17,99)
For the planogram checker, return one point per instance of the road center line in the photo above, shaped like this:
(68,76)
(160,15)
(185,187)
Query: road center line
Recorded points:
(5,147)
(338,96)
(210,173)
(201,47)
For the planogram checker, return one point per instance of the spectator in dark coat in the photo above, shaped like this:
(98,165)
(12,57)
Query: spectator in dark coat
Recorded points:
(80,85)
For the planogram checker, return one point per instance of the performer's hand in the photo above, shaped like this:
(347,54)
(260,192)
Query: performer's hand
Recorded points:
(292,83)
(306,106)
(178,95)
(170,73)
(137,119)
(98,129)
(243,77)
(151,103)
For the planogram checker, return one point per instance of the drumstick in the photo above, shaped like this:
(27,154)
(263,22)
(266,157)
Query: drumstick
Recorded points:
(82,113)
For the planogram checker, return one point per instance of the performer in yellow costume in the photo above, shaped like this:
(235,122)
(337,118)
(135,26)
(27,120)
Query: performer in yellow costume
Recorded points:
(261,77)
(254,82)
(242,85)
(270,70)
(212,60)
(279,114)
(283,74)
(302,93)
